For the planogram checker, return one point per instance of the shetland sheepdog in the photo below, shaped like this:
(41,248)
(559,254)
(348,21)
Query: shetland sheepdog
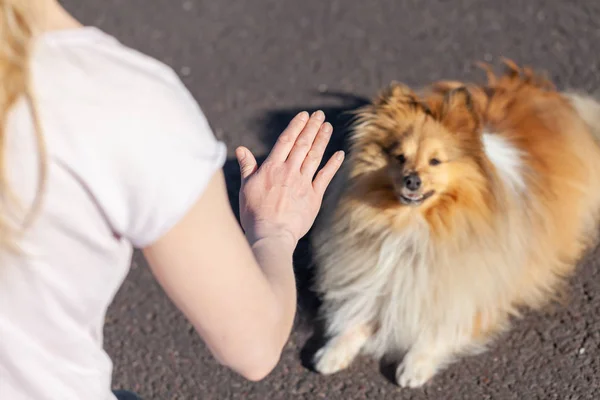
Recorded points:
(458,207)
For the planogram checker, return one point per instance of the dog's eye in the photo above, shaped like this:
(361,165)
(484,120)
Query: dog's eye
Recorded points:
(434,162)
(401,159)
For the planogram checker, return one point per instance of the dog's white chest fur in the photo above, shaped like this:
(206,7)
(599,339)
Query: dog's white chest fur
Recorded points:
(507,160)
(388,279)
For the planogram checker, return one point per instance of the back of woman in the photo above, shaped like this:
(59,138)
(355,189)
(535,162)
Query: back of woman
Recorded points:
(98,102)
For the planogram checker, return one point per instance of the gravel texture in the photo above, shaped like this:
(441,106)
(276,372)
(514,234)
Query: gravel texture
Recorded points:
(252,65)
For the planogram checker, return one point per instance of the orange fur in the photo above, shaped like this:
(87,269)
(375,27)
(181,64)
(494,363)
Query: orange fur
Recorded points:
(501,221)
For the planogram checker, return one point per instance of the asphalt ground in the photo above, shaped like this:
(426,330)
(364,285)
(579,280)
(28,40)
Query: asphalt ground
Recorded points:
(252,65)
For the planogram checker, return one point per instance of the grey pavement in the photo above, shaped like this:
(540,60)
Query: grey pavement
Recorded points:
(252,65)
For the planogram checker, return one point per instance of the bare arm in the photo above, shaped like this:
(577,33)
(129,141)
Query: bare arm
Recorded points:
(239,290)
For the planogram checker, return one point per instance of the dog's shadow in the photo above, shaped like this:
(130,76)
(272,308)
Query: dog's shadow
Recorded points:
(272,124)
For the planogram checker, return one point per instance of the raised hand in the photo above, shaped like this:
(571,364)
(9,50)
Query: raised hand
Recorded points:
(283,196)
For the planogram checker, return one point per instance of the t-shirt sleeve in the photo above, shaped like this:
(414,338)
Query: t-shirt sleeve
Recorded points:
(164,154)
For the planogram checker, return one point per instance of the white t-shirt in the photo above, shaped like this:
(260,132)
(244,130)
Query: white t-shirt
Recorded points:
(129,152)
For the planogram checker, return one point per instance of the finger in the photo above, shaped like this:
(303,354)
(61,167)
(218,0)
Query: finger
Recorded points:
(326,174)
(288,137)
(246,161)
(306,138)
(315,155)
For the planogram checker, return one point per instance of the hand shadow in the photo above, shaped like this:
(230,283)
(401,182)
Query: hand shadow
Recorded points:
(272,125)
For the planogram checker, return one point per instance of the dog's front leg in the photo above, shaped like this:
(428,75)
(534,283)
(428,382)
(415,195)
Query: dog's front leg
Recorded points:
(339,351)
(423,361)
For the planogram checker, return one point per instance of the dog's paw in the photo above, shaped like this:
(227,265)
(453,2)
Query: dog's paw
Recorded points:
(416,370)
(341,350)
(331,359)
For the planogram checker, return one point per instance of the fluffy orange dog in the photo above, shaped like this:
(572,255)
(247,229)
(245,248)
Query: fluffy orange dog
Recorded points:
(456,209)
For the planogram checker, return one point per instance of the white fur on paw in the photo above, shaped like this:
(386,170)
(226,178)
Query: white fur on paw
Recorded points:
(414,372)
(331,359)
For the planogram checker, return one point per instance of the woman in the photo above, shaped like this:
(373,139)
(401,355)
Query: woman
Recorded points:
(105,150)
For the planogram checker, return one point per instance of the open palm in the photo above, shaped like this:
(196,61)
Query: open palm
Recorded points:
(283,196)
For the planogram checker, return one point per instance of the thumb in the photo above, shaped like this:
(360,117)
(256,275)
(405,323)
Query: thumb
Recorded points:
(246,161)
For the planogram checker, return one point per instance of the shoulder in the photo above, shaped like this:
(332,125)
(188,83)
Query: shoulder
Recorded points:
(127,127)
(94,83)
(89,67)
(94,56)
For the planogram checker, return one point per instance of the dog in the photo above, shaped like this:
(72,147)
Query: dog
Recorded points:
(458,207)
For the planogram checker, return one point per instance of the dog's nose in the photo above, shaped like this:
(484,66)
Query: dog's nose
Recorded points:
(412,181)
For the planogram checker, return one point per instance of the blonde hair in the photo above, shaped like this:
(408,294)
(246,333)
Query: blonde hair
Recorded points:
(17,30)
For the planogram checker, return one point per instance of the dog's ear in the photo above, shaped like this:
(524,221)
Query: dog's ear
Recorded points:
(396,92)
(458,112)
(399,94)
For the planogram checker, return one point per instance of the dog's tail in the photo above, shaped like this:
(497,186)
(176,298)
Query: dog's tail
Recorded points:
(588,108)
